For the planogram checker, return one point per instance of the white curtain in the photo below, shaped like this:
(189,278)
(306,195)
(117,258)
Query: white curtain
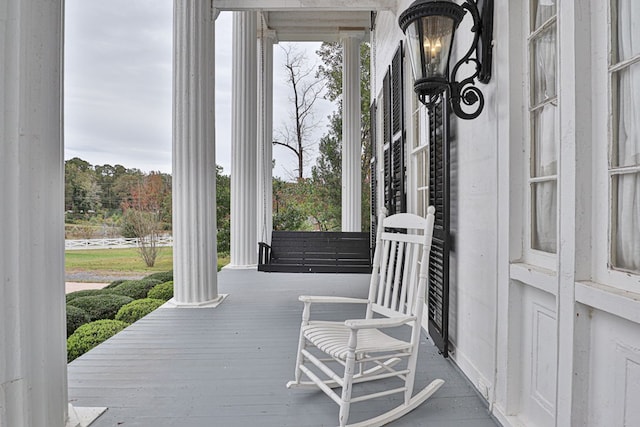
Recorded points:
(545,132)
(627,211)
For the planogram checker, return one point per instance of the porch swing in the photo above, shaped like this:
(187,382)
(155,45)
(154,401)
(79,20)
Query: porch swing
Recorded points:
(396,299)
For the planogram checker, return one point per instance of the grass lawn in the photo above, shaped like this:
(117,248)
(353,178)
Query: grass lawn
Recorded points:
(111,262)
(116,260)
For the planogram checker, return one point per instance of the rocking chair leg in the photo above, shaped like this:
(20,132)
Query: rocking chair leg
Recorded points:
(301,343)
(410,378)
(348,381)
(299,358)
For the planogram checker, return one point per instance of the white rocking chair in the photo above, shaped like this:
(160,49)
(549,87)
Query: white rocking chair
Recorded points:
(396,295)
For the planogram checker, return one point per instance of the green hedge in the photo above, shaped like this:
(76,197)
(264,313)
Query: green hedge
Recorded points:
(137,309)
(136,289)
(163,276)
(76,317)
(163,291)
(83,293)
(90,335)
(103,306)
(115,283)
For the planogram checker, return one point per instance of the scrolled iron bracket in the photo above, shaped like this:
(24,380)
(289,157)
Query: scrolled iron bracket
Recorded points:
(478,57)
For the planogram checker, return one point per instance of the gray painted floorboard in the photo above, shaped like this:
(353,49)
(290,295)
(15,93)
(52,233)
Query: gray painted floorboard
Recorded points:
(228,366)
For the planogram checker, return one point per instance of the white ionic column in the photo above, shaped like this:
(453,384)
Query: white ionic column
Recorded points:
(194,162)
(265,135)
(244,215)
(351,143)
(33,359)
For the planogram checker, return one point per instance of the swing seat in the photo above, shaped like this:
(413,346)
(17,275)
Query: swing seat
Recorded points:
(338,355)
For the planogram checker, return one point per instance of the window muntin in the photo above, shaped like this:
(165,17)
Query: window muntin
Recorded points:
(624,153)
(544,135)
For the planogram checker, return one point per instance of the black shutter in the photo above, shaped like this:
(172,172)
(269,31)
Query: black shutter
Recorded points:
(398,196)
(439,197)
(386,141)
(374,174)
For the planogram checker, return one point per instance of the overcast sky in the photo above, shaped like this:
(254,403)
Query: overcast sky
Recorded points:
(118,65)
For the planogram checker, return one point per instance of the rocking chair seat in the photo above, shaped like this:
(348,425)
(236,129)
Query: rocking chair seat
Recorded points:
(332,338)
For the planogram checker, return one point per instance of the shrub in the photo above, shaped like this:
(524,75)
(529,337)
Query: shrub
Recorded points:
(114,284)
(83,293)
(136,289)
(137,309)
(103,306)
(163,276)
(76,317)
(163,291)
(90,335)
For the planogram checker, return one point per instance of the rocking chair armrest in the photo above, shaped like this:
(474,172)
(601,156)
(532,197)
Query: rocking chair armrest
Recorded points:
(387,322)
(331,300)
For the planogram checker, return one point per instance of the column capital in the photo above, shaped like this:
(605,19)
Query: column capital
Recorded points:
(263,30)
(352,34)
(268,34)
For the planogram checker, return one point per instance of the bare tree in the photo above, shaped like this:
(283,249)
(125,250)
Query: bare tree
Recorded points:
(142,217)
(305,91)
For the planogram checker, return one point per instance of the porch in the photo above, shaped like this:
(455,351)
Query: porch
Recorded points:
(228,366)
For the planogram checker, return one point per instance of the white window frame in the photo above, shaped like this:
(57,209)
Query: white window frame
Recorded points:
(418,147)
(546,260)
(618,277)
(603,122)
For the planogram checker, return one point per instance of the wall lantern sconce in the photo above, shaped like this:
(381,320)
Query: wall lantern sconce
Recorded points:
(430,27)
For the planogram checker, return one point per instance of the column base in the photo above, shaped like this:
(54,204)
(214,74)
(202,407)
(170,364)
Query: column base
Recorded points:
(172,303)
(240,267)
(83,417)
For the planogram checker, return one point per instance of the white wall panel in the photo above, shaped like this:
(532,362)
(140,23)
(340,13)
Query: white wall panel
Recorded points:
(535,358)
(614,371)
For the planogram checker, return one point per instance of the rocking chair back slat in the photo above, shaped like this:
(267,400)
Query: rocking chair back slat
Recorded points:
(399,280)
(391,273)
(397,276)
(410,280)
(406,283)
(383,272)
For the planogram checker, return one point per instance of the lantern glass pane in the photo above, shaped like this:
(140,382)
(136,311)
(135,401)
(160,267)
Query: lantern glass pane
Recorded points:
(413,44)
(437,44)
(429,41)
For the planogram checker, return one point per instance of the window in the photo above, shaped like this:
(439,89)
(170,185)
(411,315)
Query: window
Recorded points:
(420,154)
(624,153)
(543,110)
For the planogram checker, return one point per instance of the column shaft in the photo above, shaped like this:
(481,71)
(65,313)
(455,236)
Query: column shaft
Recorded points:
(33,362)
(351,143)
(265,139)
(194,162)
(244,242)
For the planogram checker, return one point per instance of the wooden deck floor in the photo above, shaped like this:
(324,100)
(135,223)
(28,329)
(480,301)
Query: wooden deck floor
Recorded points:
(228,366)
